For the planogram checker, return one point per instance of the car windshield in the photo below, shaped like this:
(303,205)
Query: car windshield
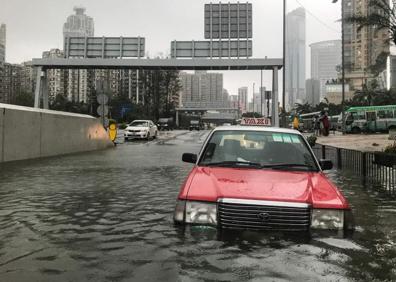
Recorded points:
(194,122)
(139,123)
(258,149)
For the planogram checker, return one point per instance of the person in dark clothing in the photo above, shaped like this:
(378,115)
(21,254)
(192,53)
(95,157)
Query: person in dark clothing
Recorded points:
(326,124)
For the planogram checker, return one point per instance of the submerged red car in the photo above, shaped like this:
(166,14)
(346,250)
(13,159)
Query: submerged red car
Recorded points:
(260,178)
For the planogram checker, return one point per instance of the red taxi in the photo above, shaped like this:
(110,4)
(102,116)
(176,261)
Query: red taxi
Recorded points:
(260,178)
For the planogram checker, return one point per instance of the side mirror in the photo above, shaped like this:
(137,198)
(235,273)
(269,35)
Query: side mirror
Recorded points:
(326,164)
(189,158)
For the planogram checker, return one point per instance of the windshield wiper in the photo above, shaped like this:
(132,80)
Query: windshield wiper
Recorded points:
(234,163)
(286,165)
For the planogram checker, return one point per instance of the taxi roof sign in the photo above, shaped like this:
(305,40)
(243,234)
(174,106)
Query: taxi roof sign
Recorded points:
(256,121)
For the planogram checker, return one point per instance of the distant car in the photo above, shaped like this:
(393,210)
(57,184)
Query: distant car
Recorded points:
(227,124)
(165,124)
(195,125)
(260,178)
(140,129)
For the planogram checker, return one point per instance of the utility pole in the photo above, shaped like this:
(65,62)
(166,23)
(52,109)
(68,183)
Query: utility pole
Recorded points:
(253,99)
(342,65)
(284,67)
(261,94)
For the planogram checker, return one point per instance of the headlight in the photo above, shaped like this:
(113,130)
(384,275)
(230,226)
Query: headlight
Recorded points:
(201,213)
(327,219)
(179,211)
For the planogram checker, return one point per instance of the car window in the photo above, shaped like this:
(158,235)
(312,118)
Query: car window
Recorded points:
(139,123)
(263,148)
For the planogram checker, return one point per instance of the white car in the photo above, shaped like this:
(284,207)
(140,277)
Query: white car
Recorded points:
(141,129)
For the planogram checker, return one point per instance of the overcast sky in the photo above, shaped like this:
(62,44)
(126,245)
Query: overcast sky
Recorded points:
(34,26)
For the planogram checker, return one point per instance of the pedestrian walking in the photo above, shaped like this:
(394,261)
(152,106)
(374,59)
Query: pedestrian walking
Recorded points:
(326,124)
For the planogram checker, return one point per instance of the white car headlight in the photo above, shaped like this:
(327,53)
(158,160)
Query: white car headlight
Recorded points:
(201,213)
(180,208)
(327,219)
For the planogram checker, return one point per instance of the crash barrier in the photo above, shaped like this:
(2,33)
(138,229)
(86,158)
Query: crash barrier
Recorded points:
(375,167)
(27,133)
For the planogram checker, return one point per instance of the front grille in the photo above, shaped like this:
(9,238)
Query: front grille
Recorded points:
(263,215)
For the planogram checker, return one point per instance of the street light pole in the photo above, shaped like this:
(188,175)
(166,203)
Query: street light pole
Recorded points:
(284,68)
(342,65)
(253,99)
(261,94)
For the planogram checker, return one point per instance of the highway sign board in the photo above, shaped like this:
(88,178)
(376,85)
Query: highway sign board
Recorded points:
(102,99)
(103,110)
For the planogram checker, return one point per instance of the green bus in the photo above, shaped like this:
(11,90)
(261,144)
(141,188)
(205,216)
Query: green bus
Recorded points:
(370,119)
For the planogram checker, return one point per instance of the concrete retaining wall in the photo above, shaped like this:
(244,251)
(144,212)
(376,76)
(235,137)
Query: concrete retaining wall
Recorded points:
(27,133)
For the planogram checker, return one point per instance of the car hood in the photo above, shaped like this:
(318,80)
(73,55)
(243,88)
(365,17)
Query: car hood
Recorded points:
(136,128)
(213,183)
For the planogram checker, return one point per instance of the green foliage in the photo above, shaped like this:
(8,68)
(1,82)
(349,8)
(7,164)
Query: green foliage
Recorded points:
(160,95)
(122,125)
(23,99)
(62,104)
(391,149)
(381,17)
(312,140)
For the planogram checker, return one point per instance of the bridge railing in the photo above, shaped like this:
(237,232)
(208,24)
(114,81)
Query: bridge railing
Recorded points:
(375,167)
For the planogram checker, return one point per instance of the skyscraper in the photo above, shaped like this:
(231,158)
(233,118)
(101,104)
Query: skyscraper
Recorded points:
(243,99)
(2,43)
(362,45)
(295,58)
(79,82)
(56,78)
(325,57)
(202,90)
(79,24)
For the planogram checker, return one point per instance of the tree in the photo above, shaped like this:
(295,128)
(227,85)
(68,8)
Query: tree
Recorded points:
(380,16)
(23,99)
(303,108)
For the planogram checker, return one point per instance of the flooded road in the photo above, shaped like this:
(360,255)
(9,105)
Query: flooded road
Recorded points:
(107,216)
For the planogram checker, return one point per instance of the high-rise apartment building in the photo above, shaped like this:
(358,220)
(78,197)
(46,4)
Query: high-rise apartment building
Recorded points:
(243,99)
(2,43)
(11,82)
(202,90)
(312,88)
(258,102)
(28,77)
(56,78)
(325,58)
(79,83)
(295,58)
(362,45)
(78,24)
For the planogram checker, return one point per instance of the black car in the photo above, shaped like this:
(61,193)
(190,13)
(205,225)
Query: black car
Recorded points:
(165,124)
(195,125)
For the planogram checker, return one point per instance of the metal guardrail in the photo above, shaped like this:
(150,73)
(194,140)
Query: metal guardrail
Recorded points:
(374,167)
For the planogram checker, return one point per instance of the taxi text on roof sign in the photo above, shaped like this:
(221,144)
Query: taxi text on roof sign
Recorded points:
(256,121)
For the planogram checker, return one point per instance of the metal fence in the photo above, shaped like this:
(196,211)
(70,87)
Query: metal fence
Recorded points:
(375,167)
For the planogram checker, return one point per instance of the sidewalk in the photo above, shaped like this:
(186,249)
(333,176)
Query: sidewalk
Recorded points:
(360,142)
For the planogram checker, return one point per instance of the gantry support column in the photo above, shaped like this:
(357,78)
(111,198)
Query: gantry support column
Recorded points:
(41,91)
(37,91)
(275,107)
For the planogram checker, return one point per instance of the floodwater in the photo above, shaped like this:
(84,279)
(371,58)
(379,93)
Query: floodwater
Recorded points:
(107,216)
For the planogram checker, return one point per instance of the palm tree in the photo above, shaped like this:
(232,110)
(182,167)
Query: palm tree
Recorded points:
(380,16)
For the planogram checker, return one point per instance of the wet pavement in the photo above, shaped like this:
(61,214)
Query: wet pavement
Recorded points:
(107,216)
